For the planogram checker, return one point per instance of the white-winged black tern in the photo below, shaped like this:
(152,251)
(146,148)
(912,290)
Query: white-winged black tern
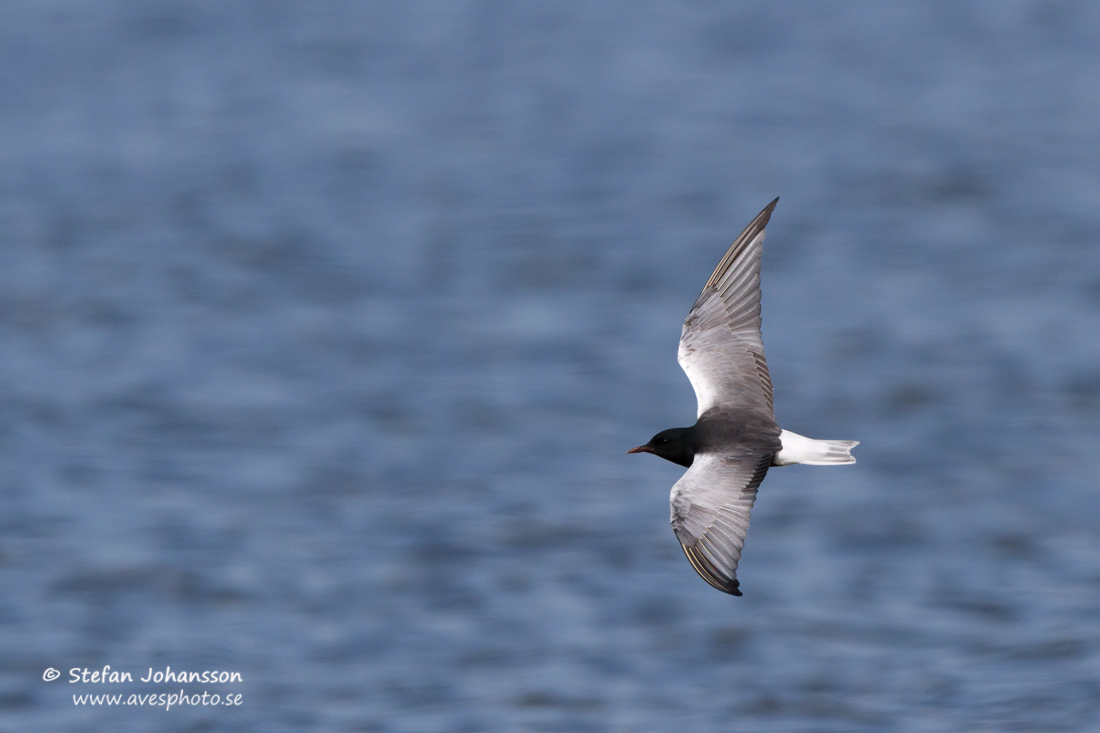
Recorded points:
(735,438)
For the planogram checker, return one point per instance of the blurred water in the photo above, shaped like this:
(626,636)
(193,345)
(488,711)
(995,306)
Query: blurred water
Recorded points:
(325,327)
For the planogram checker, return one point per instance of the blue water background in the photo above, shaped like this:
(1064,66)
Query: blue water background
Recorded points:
(325,327)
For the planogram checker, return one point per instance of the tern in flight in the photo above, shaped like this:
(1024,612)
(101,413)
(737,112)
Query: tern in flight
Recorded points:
(735,438)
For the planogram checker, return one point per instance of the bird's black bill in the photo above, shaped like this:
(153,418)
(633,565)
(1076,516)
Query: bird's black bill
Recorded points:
(641,449)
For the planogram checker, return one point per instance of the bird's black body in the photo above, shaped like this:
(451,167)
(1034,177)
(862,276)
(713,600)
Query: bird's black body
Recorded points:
(717,431)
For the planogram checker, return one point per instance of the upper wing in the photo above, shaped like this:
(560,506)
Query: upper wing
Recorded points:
(720,346)
(711,504)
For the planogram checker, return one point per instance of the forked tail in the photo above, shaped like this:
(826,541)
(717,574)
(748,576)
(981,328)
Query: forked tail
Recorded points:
(800,449)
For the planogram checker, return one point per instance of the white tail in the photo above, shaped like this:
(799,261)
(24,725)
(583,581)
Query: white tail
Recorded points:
(800,449)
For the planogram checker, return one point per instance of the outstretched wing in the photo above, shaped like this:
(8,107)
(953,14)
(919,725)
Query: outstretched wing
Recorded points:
(711,504)
(720,346)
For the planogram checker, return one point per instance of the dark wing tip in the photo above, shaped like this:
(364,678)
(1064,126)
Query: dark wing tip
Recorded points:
(709,573)
(767,210)
(761,220)
(754,228)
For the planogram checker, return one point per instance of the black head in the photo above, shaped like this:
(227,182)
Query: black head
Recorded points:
(675,444)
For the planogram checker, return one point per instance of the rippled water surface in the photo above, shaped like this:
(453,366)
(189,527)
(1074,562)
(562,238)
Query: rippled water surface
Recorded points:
(325,327)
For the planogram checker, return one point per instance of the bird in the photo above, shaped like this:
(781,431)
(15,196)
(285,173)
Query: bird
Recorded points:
(735,438)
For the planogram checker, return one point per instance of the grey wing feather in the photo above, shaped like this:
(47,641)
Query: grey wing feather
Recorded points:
(711,505)
(721,350)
